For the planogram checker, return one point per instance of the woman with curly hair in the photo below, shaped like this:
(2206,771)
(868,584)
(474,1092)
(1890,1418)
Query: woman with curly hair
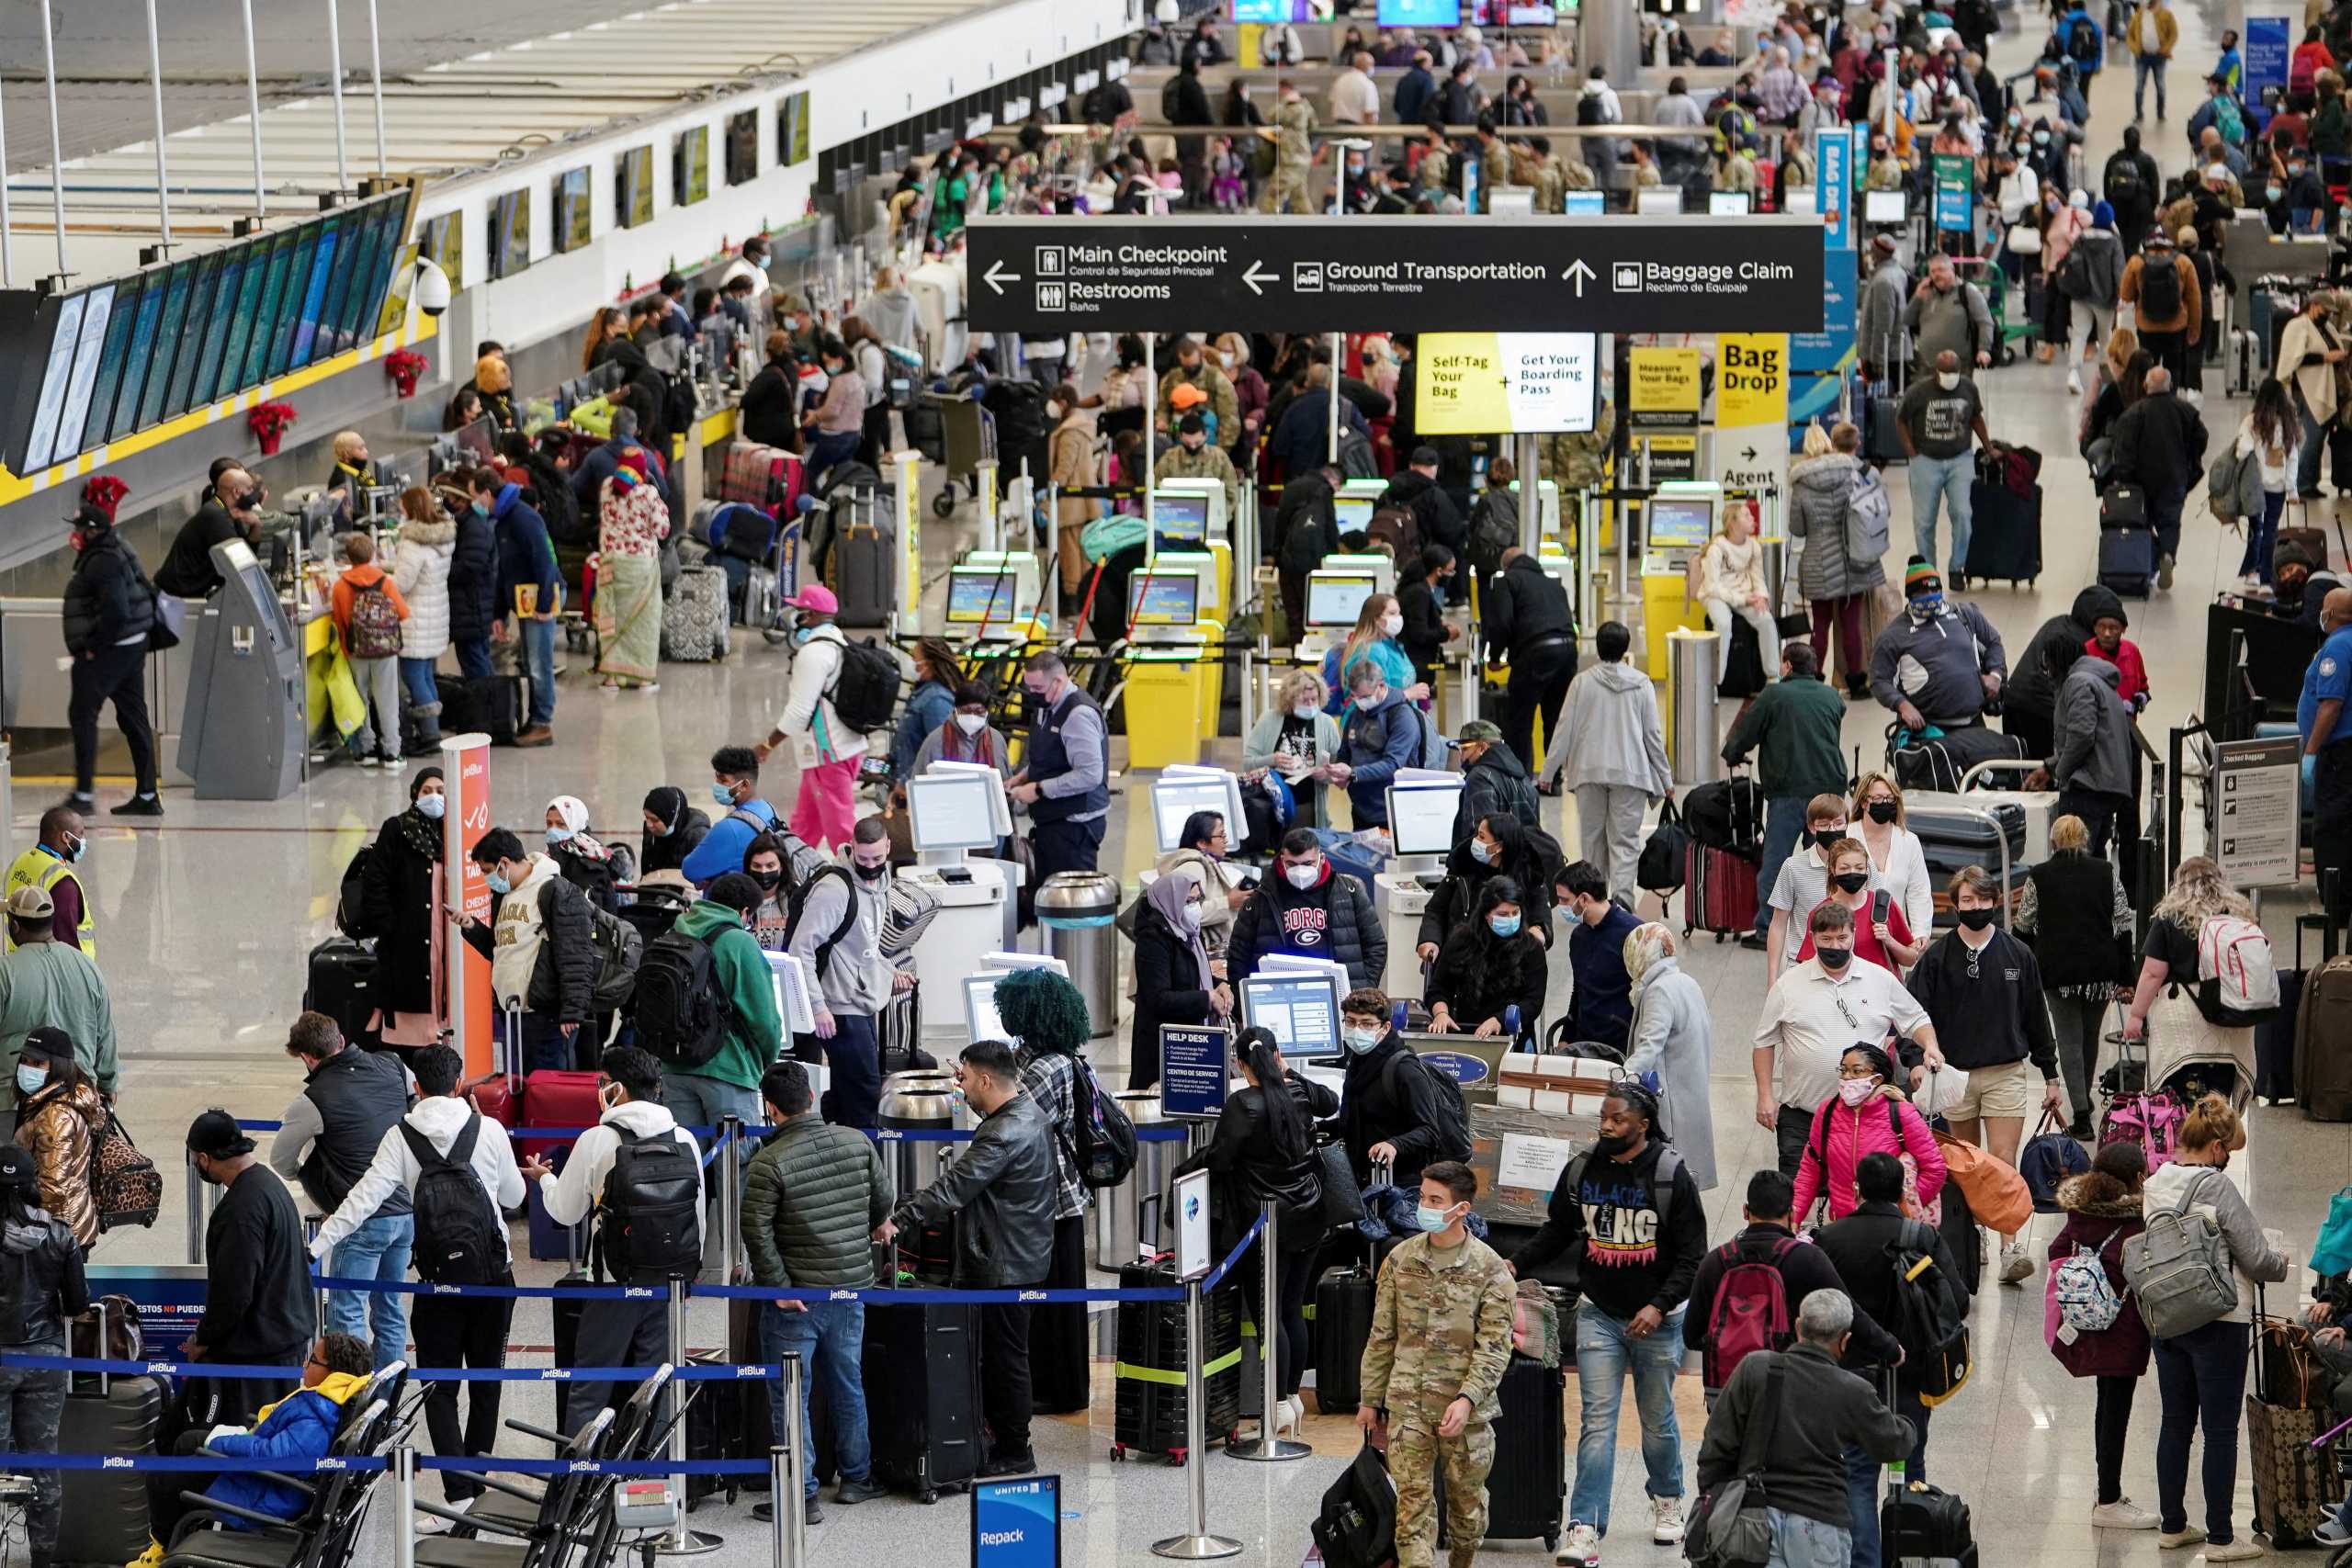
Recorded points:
(1043,1014)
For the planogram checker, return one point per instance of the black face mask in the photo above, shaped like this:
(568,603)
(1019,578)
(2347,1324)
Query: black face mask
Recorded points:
(1853,880)
(1832,958)
(1881,811)
(1608,1147)
(1974,919)
(767,879)
(871,872)
(1823,840)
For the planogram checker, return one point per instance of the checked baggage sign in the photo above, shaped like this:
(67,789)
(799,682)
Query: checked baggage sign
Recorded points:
(1318,275)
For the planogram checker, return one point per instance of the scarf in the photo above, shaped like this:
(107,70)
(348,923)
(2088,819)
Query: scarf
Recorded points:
(422,833)
(1169,895)
(573,811)
(958,747)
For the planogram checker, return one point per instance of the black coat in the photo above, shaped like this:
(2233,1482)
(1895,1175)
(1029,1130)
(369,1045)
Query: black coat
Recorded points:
(1858,1244)
(1424,634)
(670,853)
(1497,784)
(2075,940)
(1398,1109)
(396,897)
(2160,443)
(1456,899)
(2030,688)
(1306,524)
(1476,976)
(1168,990)
(1245,1167)
(770,415)
(473,578)
(108,598)
(564,977)
(1332,919)
(40,1287)
(593,878)
(1524,606)
(1432,511)
(258,1306)
(187,571)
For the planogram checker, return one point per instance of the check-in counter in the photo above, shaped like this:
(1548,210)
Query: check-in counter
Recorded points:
(35,687)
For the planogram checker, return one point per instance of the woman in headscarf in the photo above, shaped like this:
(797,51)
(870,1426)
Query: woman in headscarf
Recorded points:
(1046,1013)
(628,578)
(1173,984)
(400,889)
(587,865)
(672,829)
(1672,1039)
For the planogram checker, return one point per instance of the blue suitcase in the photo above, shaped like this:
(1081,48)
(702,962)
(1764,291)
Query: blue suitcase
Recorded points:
(2127,561)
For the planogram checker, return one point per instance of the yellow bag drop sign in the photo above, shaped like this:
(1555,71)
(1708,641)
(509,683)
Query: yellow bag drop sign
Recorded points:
(1751,378)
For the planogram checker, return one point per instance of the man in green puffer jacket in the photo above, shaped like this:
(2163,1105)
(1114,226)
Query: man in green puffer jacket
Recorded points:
(815,1200)
(729,1083)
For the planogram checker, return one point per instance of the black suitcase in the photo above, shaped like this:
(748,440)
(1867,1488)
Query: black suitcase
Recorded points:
(488,704)
(1149,1408)
(1529,1479)
(715,1417)
(1939,763)
(1885,439)
(2006,541)
(2127,562)
(865,572)
(102,1517)
(1926,1524)
(2339,458)
(1343,1325)
(1954,835)
(922,1372)
(343,980)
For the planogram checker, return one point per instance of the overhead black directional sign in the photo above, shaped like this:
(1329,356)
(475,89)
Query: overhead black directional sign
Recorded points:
(1533,274)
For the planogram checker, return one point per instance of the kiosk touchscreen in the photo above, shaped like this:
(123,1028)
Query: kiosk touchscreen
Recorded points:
(1302,1011)
(1727,203)
(1353,513)
(1175,796)
(956,809)
(1583,204)
(1658,200)
(1679,524)
(1335,599)
(241,725)
(1421,817)
(1179,520)
(1886,208)
(1164,598)
(982,596)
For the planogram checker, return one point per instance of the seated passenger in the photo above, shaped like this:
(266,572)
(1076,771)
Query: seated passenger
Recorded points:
(1490,963)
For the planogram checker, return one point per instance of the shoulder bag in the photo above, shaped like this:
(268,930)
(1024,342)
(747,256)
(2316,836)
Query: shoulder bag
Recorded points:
(1729,1526)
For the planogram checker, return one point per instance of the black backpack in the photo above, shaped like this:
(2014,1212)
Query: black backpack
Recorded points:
(460,1238)
(619,949)
(682,1013)
(865,687)
(1357,459)
(1453,1118)
(1356,1527)
(350,900)
(2160,288)
(1102,1145)
(798,903)
(649,1226)
(2083,45)
(1930,1316)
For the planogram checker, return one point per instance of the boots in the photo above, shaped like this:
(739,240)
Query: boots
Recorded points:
(425,737)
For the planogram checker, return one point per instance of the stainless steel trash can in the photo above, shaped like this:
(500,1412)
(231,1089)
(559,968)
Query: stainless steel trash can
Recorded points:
(1698,741)
(1076,909)
(916,1102)
(1127,1217)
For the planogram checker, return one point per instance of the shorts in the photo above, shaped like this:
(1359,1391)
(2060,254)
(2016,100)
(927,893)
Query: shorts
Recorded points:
(2010,1089)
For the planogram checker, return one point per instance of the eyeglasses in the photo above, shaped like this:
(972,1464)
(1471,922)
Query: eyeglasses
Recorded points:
(1844,1011)
(1862,1072)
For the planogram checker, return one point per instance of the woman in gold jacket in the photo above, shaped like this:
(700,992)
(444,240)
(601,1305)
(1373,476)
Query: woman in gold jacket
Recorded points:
(58,1112)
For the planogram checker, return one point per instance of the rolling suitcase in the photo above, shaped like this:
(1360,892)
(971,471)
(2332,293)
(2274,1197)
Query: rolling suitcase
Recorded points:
(921,1370)
(1927,1526)
(863,565)
(1954,833)
(102,1517)
(2274,1041)
(342,985)
(565,1313)
(758,476)
(1718,893)
(1529,1478)
(693,615)
(759,598)
(2127,562)
(2006,540)
(1150,1409)
(1343,1325)
(2323,1042)
(2244,371)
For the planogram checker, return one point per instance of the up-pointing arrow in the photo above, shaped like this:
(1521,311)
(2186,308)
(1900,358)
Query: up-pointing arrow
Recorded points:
(1577,272)
(1253,277)
(996,277)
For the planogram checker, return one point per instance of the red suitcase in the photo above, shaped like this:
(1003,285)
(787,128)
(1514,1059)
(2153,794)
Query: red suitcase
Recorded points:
(761,476)
(499,1098)
(1719,893)
(563,1100)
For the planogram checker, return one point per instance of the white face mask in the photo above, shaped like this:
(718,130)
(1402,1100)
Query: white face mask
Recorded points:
(971,722)
(1946,379)
(1303,877)
(1191,916)
(1053,409)
(1305,710)
(1392,625)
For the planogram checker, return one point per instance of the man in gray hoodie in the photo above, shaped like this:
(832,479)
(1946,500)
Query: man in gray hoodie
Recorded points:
(1611,748)
(838,936)
(2092,764)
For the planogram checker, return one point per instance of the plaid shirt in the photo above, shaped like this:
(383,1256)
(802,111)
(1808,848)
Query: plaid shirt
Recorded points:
(1050,1079)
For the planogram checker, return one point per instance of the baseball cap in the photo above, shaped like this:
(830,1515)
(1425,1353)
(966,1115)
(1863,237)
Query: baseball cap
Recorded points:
(817,598)
(48,1045)
(216,1132)
(1186,395)
(31,904)
(17,1167)
(1477,732)
(1425,457)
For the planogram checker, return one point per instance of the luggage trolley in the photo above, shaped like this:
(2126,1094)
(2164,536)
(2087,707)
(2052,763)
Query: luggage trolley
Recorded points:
(957,433)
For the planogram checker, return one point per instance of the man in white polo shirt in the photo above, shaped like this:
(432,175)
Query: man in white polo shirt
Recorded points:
(1817,1011)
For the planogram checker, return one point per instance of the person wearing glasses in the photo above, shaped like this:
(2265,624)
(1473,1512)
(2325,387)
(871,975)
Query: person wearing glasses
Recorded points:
(1815,1012)
(1982,989)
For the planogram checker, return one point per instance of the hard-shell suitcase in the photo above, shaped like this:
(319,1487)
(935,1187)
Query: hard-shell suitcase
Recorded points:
(759,604)
(1718,893)
(2127,562)
(1885,439)
(921,1373)
(863,565)
(343,984)
(2006,542)
(2245,363)
(2323,1042)
(1530,1477)
(102,1517)
(1957,833)
(759,476)
(1343,1325)
(2339,458)
(1149,1413)
(693,615)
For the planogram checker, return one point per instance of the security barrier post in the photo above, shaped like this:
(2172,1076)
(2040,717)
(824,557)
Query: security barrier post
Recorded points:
(1266,1446)
(196,1214)
(404,1505)
(731,1196)
(1196,1545)
(681,1541)
(791,1518)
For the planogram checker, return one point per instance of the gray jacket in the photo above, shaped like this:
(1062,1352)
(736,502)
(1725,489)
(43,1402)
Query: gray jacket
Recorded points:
(2094,729)
(2102,268)
(1673,1036)
(998,1194)
(1959,320)
(1609,732)
(1821,492)
(855,977)
(1878,333)
(1937,662)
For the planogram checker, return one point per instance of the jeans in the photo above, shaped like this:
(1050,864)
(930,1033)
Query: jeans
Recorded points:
(854,1056)
(377,1249)
(824,451)
(1783,824)
(1947,477)
(2077,1022)
(2201,1376)
(1768,636)
(697,1101)
(2143,68)
(1800,1542)
(417,680)
(118,675)
(829,1338)
(2261,540)
(463,1331)
(32,1404)
(1862,1499)
(379,681)
(473,658)
(1605,1354)
(538,663)
(2098,808)
(2315,446)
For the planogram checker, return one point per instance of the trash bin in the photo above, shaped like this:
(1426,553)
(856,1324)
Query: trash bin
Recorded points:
(1077,909)
(1697,740)
(1127,1217)
(916,1102)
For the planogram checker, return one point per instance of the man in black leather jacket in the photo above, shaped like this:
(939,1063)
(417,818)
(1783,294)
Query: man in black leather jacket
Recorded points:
(1000,1197)
(42,1285)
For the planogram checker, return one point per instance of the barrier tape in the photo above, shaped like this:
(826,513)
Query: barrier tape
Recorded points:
(694,1371)
(482,1465)
(1150,1133)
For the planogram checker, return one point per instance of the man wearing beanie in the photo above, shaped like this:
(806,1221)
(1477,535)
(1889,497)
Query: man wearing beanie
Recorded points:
(258,1306)
(1941,661)
(110,616)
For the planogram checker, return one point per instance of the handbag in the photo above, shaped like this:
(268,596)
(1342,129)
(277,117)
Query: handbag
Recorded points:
(1729,1526)
(1997,1194)
(2024,240)
(1665,853)
(1343,1203)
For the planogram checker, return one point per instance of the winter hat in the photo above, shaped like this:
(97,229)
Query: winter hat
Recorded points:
(103,494)
(2102,215)
(1919,577)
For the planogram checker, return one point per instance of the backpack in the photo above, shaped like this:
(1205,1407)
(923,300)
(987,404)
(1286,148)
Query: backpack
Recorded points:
(1930,1316)
(459,1239)
(1357,459)
(2151,1119)
(125,1187)
(1491,534)
(619,947)
(1453,1120)
(1397,527)
(375,622)
(1170,105)
(350,900)
(1868,518)
(2160,288)
(682,1015)
(798,902)
(1356,1526)
(2082,1298)
(2237,974)
(865,688)
(2083,45)
(2125,187)
(2178,1269)
(2229,122)
(649,1221)
(1750,1311)
(1101,1141)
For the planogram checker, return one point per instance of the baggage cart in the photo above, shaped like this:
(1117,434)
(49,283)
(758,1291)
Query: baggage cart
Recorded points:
(967,435)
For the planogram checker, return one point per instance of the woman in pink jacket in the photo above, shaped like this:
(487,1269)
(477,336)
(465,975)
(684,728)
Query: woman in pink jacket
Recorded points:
(1868,1116)
(2058,235)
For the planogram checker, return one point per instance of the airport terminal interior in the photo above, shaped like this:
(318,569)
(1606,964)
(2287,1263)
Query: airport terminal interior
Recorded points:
(206,916)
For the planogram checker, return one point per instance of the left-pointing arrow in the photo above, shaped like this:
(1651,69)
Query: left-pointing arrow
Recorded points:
(996,277)
(1253,277)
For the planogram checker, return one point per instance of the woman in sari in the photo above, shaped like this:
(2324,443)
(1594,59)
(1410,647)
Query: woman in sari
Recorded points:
(629,578)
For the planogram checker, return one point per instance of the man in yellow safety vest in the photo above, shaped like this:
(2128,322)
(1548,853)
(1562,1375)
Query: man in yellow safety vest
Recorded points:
(48,865)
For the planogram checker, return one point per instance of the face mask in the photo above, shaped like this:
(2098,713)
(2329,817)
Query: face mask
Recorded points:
(767,879)
(723,794)
(1365,705)
(799,635)
(1053,409)
(2042,139)
(1479,852)
(1305,711)
(2274,193)
(1392,625)
(1191,916)
(1504,926)
(1303,877)
(1946,379)
(482,509)
(1360,1040)
(1925,606)
(498,883)
(1975,920)
(971,722)
(558,836)
(79,848)
(870,872)
(1832,958)
(1853,880)
(1431,1220)
(431,806)
(30,1078)
(1608,1148)
(1853,1091)
(1826,836)
(2015,118)
(1881,811)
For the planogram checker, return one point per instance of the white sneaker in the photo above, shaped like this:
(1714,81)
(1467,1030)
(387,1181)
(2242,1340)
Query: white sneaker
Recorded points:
(2016,1264)
(2191,1535)
(369,761)
(2120,1515)
(434,1524)
(2075,381)
(1581,1550)
(2330,1533)
(2238,1551)
(1666,1520)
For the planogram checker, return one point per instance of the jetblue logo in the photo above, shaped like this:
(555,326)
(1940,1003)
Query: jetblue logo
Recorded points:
(585,1467)
(114,1461)
(640,1293)
(555,1374)
(1033,1295)
(164,1369)
(329,1464)
(751,1371)
(448,1290)
(841,1296)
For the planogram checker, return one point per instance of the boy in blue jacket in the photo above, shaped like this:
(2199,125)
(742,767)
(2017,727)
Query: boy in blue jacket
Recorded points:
(526,559)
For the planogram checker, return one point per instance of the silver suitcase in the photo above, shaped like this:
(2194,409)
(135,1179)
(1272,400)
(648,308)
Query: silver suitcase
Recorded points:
(693,615)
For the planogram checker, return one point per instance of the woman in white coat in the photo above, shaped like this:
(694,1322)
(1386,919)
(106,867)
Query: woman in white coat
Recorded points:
(420,573)
(1673,1037)
(1875,818)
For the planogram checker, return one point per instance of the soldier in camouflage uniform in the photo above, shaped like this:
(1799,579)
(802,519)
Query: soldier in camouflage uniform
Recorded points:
(1193,459)
(42,1285)
(1580,461)
(1294,156)
(1440,1340)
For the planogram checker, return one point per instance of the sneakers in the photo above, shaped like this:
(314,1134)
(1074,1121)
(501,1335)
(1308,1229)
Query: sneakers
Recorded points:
(2330,1533)
(140,806)
(151,1558)
(1666,1520)
(2075,382)
(810,1512)
(392,761)
(2017,1265)
(2164,571)
(2120,1515)
(2190,1536)
(1022,1464)
(1581,1550)
(434,1524)
(2237,1551)
(849,1492)
(367,759)
(1754,941)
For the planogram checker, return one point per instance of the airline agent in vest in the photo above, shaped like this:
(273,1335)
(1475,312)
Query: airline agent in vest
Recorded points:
(1065,779)
(48,865)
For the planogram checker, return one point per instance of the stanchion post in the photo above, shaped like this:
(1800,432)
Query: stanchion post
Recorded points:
(731,1196)
(681,1541)
(788,1510)
(404,1505)
(196,1214)
(311,1223)
(1196,1545)
(1266,1447)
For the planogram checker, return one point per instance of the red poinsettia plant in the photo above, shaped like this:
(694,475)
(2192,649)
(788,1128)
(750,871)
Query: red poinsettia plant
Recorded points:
(268,422)
(404,365)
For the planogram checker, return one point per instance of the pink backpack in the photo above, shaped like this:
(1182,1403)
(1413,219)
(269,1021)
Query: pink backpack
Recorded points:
(2151,1119)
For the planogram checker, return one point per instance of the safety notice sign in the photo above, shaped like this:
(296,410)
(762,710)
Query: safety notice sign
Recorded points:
(1474,383)
(1249,272)
(2258,810)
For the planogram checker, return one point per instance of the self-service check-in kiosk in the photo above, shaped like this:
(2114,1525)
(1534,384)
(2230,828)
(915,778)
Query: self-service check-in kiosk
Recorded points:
(1677,522)
(1190,528)
(994,598)
(241,730)
(958,810)
(1421,808)
(1175,672)
(1334,603)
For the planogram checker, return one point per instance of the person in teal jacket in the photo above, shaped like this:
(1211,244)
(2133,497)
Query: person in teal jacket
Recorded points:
(1375,638)
(729,1083)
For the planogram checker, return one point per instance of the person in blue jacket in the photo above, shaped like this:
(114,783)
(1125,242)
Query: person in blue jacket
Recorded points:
(1602,1007)
(741,816)
(2089,53)
(588,484)
(1381,733)
(928,705)
(526,559)
(473,590)
(297,1429)
(1374,641)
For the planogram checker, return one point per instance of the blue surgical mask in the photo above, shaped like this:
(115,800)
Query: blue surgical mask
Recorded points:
(481,508)
(1479,852)
(723,795)
(30,1078)
(1503,925)
(799,635)
(498,883)
(431,806)
(1360,1040)
(1431,1220)
(558,836)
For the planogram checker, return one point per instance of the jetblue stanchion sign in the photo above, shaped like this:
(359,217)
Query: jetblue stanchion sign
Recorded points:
(1017,1524)
(1619,274)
